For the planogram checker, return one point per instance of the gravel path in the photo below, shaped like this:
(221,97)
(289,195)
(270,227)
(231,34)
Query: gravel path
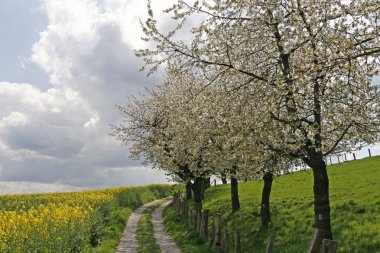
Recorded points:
(128,243)
(166,243)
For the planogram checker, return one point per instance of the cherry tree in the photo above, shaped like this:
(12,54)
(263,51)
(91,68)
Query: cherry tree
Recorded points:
(162,126)
(232,147)
(309,63)
(144,128)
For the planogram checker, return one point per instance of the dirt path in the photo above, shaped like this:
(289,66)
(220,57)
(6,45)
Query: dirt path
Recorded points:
(128,243)
(166,243)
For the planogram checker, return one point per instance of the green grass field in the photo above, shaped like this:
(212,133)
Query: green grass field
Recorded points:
(354,200)
(183,233)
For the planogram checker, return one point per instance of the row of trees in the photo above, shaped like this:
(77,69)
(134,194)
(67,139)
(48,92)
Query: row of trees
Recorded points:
(260,85)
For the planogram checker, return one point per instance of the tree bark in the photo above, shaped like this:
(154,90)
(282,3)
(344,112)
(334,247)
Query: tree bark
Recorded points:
(321,196)
(188,191)
(204,184)
(265,211)
(234,194)
(197,189)
(207,182)
(223,177)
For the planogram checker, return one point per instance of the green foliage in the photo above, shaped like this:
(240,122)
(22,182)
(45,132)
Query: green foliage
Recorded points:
(137,196)
(129,198)
(183,233)
(354,201)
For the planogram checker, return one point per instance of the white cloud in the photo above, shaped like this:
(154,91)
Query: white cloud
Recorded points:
(91,122)
(14,119)
(61,135)
(29,187)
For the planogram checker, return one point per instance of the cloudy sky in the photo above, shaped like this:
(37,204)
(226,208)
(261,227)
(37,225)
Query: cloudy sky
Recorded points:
(64,65)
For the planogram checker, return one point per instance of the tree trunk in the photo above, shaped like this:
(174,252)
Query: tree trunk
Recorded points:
(197,189)
(321,196)
(223,177)
(188,190)
(265,211)
(234,194)
(207,182)
(203,187)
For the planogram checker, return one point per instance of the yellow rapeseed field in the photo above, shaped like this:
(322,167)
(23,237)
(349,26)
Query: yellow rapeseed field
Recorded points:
(56,222)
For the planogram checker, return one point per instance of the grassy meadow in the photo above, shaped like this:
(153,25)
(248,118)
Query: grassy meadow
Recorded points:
(183,233)
(354,200)
(88,221)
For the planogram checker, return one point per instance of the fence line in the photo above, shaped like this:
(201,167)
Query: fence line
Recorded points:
(218,236)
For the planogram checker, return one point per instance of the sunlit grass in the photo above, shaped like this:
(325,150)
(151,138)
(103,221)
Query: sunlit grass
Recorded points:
(354,200)
(183,233)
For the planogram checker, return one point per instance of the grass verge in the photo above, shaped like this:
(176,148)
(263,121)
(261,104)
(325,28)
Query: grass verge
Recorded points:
(183,233)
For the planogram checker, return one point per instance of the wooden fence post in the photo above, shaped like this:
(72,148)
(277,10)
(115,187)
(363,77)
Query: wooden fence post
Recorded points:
(190,216)
(212,233)
(270,245)
(237,248)
(217,230)
(204,224)
(329,246)
(197,216)
(179,206)
(354,156)
(175,200)
(183,208)
(186,210)
(224,241)
(369,152)
(199,222)
(316,241)
(194,216)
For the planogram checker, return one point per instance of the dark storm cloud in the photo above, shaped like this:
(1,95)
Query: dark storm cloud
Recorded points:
(49,140)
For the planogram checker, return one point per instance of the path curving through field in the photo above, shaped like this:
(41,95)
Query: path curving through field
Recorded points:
(128,242)
(166,243)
